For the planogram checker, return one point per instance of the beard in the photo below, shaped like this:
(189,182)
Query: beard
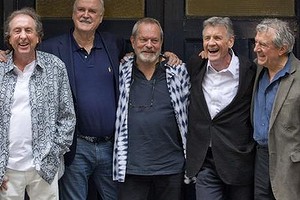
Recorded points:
(148,58)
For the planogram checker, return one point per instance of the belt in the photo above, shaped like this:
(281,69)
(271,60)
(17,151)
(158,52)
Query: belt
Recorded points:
(95,139)
(262,146)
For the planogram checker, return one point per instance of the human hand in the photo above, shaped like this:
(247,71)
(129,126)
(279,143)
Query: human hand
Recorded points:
(203,55)
(127,56)
(188,180)
(4,184)
(3,57)
(173,60)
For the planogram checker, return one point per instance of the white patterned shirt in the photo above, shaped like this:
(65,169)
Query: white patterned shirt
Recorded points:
(52,113)
(178,83)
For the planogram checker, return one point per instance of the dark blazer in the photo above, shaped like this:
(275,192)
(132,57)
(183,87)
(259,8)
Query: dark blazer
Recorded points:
(230,131)
(284,134)
(61,46)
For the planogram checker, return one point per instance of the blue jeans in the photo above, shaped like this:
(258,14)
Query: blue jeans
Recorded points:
(91,160)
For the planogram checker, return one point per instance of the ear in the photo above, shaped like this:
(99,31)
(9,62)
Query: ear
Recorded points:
(282,50)
(132,41)
(231,42)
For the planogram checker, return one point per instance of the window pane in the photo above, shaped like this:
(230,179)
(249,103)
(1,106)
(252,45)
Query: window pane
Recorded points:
(114,9)
(54,8)
(240,8)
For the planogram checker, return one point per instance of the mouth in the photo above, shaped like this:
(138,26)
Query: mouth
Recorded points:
(23,44)
(148,52)
(85,21)
(260,55)
(213,51)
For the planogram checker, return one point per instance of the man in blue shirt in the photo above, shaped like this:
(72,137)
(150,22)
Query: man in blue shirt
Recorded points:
(276,116)
(92,59)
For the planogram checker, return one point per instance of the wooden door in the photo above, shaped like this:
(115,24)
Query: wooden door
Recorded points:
(179,18)
(183,22)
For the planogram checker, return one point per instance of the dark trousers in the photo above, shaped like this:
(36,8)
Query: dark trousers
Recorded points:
(262,185)
(158,187)
(209,185)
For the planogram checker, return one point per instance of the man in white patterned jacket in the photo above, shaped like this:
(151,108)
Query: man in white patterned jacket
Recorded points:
(151,122)
(37,117)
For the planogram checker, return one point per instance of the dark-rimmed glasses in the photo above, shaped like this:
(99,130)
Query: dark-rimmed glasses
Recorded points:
(132,98)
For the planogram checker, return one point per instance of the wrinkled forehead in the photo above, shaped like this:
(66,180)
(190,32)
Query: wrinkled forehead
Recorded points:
(89,4)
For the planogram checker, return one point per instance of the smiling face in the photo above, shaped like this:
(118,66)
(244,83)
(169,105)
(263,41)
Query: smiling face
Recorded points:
(216,43)
(147,43)
(23,36)
(87,15)
(266,52)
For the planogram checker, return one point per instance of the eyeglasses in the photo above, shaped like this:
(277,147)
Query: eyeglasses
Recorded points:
(148,104)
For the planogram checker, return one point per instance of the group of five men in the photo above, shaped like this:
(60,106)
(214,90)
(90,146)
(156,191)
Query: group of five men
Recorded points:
(231,123)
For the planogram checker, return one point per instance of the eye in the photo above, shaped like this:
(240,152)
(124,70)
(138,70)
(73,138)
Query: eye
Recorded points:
(28,30)
(92,11)
(143,40)
(16,31)
(154,41)
(80,10)
(218,38)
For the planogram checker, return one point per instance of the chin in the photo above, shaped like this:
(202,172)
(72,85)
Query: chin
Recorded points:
(213,57)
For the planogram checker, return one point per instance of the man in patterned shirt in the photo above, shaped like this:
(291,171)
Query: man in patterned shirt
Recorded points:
(37,117)
(151,119)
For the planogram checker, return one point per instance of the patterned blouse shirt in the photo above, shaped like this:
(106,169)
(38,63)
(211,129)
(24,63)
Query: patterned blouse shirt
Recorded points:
(178,83)
(52,113)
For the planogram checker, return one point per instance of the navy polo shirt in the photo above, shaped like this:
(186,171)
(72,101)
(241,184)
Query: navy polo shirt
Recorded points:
(263,102)
(95,89)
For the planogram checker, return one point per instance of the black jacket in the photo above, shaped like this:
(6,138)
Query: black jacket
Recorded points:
(230,131)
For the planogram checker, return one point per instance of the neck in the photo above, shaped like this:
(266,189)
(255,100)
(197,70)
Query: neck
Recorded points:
(274,69)
(84,40)
(22,61)
(220,65)
(146,68)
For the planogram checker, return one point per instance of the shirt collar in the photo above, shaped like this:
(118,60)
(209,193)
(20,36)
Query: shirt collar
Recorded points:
(284,71)
(10,64)
(98,44)
(233,67)
(28,68)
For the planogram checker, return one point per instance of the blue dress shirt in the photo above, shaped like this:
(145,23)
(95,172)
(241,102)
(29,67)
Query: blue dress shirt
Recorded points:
(263,102)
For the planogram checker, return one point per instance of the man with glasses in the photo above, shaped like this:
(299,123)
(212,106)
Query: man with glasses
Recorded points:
(151,119)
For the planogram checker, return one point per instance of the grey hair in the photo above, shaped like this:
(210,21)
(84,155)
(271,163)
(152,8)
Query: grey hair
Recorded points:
(283,33)
(24,11)
(102,9)
(217,21)
(146,20)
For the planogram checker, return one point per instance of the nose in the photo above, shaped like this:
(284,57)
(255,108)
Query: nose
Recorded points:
(86,13)
(149,43)
(256,47)
(211,41)
(22,34)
